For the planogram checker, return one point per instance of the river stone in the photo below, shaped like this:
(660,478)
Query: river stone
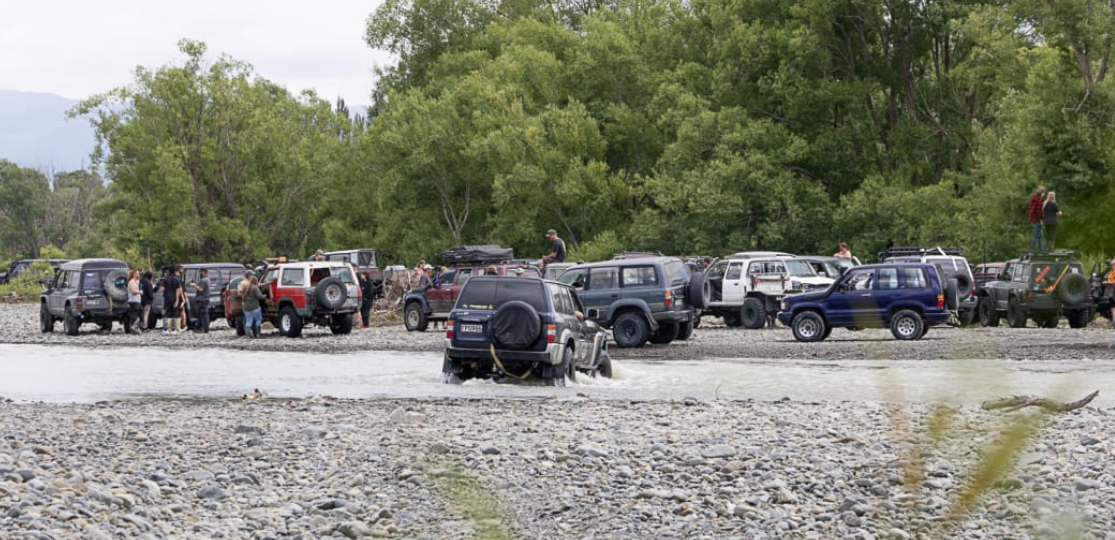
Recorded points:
(1086,484)
(212,493)
(489,449)
(243,429)
(718,451)
(401,416)
(353,529)
(199,476)
(591,450)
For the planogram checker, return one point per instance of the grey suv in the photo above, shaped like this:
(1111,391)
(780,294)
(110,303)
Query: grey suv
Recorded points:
(517,326)
(641,299)
(1039,286)
(86,290)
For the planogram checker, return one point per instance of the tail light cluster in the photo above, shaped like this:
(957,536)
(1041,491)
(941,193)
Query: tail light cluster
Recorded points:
(449,329)
(669,299)
(940,300)
(551,333)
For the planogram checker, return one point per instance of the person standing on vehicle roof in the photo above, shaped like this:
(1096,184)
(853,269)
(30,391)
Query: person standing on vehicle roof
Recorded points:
(1051,217)
(1036,218)
(557,253)
(201,301)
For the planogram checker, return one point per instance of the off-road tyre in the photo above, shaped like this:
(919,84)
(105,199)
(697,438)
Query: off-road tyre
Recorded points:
(46,320)
(808,326)
(1079,318)
(699,290)
(516,326)
(330,293)
(290,323)
(1072,289)
(567,361)
(753,314)
(685,331)
(988,315)
(116,285)
(666,334)
(630,330)
(341,324)
(71,322)
(732,319)
(603,366)
(1016,317)
(414,318)
(907,325)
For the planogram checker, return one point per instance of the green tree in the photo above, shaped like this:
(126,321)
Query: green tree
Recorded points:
(23,200)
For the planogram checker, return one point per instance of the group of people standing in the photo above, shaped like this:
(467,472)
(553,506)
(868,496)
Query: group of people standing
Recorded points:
(1045,217)
(141,295)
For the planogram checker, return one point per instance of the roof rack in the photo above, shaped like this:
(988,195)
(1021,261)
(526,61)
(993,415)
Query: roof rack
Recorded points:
(899,251)
(481,254)
(1056,255)
(635,255)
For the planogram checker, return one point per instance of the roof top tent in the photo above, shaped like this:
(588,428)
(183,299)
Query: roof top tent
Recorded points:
(360,258)
(489,253)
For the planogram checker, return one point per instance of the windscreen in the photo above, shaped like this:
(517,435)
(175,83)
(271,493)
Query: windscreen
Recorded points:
(799,268)
(493,293)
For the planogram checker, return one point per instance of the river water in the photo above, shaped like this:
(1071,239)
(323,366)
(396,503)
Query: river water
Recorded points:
(57,374)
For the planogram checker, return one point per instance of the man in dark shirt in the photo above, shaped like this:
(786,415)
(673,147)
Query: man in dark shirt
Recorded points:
(172,301)
(368,291)
(557,253)
(201,301)
(146,299)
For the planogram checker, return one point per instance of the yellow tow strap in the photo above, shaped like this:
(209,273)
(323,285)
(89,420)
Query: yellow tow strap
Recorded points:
(1051,288)
(525,374)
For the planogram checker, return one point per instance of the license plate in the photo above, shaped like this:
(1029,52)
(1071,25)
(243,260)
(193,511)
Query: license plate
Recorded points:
(472,328)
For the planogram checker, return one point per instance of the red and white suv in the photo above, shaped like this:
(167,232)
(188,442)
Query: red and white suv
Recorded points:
(319,292)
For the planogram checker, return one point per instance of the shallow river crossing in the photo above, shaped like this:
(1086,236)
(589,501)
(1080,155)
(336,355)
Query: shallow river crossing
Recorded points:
(70,374)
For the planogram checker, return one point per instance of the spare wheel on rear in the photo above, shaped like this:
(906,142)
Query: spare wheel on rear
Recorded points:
(516,325)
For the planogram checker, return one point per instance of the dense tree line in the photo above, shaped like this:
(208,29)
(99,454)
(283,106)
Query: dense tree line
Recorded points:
(700,126)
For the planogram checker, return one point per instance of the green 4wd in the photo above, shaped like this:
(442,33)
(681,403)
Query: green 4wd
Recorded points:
(1038,286)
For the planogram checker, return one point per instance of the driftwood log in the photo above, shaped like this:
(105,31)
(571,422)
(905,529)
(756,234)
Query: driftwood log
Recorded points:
(1014,403)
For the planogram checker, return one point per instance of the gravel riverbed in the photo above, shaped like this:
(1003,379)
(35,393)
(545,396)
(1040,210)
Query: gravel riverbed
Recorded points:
(563,466)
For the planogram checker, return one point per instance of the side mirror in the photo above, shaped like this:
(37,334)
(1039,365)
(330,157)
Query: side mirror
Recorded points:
(1003,277)
(594,313)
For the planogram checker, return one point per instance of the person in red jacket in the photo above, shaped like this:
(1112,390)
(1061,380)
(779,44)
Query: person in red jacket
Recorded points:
(1037,218)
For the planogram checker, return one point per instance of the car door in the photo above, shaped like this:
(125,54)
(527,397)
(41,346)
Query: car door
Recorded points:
(565,314)
(601,290)
(733,288)
(442,298)
(852,295)
(56,294)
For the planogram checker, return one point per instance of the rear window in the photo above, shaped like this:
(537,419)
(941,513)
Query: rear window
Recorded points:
(640,276)
(491,293)
(1048,273)
(914,278)
(676,271)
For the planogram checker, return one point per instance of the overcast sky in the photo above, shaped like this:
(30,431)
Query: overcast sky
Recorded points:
(76,48)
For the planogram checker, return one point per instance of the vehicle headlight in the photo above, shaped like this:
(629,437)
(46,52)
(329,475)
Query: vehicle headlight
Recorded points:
(785,305)
(795,285)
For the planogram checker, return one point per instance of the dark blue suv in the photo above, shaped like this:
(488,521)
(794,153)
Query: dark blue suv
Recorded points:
(517,326)
(907,298)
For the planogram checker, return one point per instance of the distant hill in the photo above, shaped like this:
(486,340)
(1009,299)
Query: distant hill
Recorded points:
(35,133)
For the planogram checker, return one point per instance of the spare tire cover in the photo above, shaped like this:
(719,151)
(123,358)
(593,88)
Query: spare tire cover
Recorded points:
(116,285)
(952,294)
(516,325)
(1072,289)
(699,291)
(331,293)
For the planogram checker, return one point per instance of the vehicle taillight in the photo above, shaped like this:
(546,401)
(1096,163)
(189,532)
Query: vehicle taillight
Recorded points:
(1029,296)
(669,299)
(551,333)
(940,300)
(449,330)
(78,304)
